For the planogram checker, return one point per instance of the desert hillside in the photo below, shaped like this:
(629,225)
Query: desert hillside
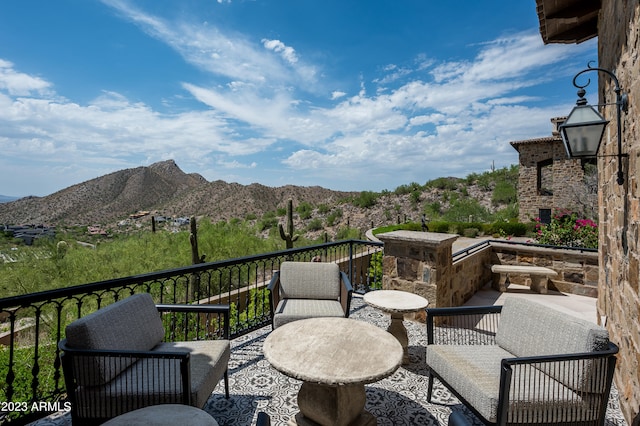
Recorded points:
(164,189)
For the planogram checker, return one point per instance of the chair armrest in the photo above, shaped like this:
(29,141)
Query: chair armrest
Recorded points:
(120,353)
(346,290)
(597,382)
(466,324)
(274,293)
(219,309)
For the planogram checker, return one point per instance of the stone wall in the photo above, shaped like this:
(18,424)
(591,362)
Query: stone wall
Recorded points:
(619,205)
(577,270)
(422,263)
(470,274)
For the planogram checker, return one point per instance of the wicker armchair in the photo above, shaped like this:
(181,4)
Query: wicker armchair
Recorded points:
(308,289)
(521,363)
(115,361)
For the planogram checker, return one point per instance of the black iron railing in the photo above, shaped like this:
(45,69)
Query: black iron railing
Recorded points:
(30,365)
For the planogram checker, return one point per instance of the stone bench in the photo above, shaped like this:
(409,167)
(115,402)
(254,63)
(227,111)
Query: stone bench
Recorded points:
(539,276)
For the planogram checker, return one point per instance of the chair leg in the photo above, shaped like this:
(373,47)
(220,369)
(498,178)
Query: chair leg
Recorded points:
(430,387)
(226,384)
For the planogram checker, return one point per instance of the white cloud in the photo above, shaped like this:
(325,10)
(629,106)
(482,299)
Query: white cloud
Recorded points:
(288,53)
(20,84)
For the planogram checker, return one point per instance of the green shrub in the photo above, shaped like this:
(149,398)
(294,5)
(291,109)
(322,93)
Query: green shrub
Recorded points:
(365,199)
(324,209)
(315,225)
(461,210)
(333,216)
(471,232)
(304,209)
(515,229)
(267,223)
(504,193)
(375,271)
(347,233)
(439,226)
(448,183)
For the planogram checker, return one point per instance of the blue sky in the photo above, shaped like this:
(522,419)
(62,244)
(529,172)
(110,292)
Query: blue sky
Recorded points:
(347,95)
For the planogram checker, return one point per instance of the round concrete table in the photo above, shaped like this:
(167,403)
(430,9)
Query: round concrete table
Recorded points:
(334,358)
(164,415)
(397,303)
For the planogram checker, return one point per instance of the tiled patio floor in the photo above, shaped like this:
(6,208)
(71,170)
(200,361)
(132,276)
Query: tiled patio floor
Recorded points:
(397,400)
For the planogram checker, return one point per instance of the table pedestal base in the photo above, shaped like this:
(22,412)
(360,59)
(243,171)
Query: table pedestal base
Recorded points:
(365,419)
(398,330)
(332,405)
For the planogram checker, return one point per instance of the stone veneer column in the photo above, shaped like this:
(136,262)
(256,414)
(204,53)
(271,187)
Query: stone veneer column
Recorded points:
(420,263)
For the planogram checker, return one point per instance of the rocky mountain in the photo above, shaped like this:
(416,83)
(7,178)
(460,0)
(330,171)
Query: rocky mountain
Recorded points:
(164,189)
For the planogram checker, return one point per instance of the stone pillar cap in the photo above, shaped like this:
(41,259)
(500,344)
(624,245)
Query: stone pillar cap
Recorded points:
(434,239)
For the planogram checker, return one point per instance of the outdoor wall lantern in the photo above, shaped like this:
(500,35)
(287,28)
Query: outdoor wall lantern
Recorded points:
(584,127)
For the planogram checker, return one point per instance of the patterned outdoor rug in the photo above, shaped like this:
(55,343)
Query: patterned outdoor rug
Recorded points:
(400,399)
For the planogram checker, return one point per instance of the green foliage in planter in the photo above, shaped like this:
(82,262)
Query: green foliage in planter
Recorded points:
(375,271)
(567,229)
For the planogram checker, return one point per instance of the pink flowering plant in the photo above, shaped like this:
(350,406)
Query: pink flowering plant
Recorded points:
(567,230)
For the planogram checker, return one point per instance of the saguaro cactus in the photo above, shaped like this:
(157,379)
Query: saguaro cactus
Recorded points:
(193,239)
(288,236)
(194,287)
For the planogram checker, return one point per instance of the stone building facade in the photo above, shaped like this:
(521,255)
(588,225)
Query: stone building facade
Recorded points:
(617,26)
(548,180)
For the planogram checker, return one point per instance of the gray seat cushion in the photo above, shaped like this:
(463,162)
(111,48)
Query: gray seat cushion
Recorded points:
(474,372)
(152,381)
(209,360)
(295,309)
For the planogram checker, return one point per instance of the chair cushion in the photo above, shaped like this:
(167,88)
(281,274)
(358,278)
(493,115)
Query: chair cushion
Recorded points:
(295,309)
(309,280)
(209,360)
(528,328)
(152,381)
(474,372)
(129,324)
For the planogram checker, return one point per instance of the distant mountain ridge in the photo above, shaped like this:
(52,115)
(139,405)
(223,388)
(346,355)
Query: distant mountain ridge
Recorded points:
(6,198)
(160,187)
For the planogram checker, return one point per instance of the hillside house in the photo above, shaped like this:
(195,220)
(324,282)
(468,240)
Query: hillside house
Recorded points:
(549,181)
